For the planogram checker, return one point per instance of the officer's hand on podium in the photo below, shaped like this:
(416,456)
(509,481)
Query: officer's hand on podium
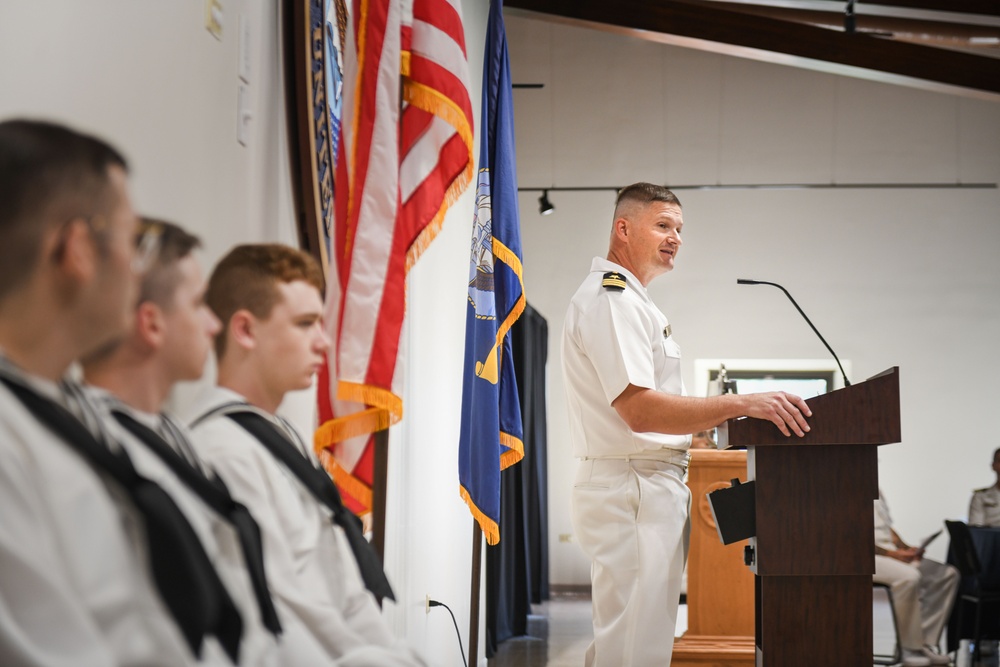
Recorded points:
(784,410)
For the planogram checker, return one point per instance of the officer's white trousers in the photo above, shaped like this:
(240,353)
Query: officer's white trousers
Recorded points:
(631,519)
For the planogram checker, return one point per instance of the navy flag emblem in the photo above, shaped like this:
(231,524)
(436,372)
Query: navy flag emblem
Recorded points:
(613,281)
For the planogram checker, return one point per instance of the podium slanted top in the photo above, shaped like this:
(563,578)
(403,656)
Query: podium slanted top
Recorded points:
(866,413)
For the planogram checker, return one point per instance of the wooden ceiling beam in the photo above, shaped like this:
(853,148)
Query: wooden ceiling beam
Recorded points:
(973,38)
(818,17)
(701,21)
(981,7)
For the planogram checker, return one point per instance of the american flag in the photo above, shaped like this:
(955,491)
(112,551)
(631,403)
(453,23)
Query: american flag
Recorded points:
(404,156)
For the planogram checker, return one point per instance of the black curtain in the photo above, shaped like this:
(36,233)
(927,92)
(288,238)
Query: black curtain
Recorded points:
(517,569)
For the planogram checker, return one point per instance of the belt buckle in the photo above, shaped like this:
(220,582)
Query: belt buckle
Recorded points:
(685,463)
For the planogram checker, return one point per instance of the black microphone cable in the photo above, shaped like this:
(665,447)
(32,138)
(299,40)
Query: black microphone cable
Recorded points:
(435,603)
(747,281)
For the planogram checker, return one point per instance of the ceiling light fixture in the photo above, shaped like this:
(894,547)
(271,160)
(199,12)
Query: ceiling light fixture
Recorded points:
(545,207)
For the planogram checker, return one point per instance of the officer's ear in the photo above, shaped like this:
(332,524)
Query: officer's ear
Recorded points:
(621,229)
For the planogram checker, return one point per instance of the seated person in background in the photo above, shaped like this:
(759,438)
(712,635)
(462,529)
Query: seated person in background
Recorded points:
(923,591)
(703,440)
(272,341)
(984,508)
(169,341)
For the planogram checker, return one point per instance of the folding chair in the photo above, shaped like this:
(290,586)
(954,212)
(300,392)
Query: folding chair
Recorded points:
(897,655)
(967,562)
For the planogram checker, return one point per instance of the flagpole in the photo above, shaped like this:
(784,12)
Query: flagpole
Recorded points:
(380,475)
(477,558)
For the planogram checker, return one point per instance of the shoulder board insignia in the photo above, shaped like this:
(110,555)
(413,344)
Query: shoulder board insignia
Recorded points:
(613,281)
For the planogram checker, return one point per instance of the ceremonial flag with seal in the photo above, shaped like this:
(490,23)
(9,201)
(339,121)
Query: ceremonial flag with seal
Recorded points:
(404,155)
(491,437)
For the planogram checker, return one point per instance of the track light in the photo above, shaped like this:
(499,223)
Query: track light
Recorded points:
(544,205)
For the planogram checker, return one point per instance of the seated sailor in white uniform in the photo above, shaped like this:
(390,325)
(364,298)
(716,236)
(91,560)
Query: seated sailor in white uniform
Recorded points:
(97,567)
(272,342)
(984,508)
(169,342)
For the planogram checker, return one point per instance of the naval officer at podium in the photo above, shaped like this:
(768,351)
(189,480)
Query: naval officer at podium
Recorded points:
(630,423)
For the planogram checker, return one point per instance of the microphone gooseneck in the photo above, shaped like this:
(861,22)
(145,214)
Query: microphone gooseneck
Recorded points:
(747,281)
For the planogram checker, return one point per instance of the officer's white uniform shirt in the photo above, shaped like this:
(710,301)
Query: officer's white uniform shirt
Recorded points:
(75,584)
(310,567)
(630,506)
(221,542)
(984,508)
(611,340)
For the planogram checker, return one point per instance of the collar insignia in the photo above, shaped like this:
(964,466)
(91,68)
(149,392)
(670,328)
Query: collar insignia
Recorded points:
(667,331)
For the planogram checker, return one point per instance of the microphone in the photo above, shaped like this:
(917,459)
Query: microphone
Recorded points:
(747,281)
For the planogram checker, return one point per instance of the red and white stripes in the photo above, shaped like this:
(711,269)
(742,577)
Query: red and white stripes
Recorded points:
(405,155)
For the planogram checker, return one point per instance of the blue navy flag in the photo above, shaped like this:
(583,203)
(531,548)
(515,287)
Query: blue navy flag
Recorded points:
(491,437)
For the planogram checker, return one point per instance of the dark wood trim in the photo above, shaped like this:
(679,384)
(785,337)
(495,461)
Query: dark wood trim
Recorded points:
(712,24)
(295,31)
(300,94)
(982,7)
(924,29)
(380,475)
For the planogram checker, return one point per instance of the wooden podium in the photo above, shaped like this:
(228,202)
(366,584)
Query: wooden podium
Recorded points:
(720,588)
(813,554)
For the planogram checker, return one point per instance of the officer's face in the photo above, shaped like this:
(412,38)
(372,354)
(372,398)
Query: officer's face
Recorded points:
(655,239)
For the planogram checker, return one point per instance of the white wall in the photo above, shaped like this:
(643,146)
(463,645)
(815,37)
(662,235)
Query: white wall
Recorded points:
(431,540)
(151,79)
(891,277)
(149,76)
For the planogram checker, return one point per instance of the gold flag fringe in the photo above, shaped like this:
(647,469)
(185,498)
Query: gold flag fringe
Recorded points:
(344,428)
(434,102)
(345,480)
(373,396)
(490,529)
(514,453)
